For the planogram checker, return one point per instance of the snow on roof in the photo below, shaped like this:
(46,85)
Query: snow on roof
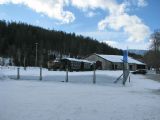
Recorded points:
(78,60)
(119,58)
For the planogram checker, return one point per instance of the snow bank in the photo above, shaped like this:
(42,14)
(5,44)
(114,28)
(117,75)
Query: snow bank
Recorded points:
(2,75)
(51,99)
(85,77)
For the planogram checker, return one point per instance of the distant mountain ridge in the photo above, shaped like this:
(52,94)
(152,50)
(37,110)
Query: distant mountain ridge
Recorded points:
(138,52)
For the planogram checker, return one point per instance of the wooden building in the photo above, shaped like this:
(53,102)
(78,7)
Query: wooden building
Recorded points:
(115,62)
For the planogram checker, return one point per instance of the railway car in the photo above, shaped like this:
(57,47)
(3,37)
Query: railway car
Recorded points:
(54,65)
(86,65)
(49,64)
(71,63)
(76,64)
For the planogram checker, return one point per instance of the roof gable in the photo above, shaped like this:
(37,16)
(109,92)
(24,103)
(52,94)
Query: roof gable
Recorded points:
(119,59)
(79,60)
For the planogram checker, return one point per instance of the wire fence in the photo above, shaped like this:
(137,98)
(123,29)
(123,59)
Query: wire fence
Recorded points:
(42,74)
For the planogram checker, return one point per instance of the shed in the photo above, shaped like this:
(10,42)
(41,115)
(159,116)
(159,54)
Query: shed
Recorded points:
(115,62)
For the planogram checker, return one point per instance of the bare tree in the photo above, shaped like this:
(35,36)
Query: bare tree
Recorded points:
(155,47)
(155,41)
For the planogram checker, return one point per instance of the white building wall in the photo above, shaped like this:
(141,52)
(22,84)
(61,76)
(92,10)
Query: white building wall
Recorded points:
(107,65)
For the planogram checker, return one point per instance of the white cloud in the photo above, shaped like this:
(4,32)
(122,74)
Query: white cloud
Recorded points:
(85,4)
(142,3)
(129,45)
(132,25)
(117,20)
(102,24)
(138,3)
(116,39)
(51,8)
(111,43)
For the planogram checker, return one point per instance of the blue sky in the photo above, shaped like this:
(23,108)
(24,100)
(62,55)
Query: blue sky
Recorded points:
(120,23)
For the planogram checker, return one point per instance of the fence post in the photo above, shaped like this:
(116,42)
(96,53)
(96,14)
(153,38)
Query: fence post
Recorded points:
(18,75)
(94,75)
(67,74)
(40,78)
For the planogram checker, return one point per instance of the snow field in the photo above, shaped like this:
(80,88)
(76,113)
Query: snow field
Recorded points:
(79,99)
(86,77)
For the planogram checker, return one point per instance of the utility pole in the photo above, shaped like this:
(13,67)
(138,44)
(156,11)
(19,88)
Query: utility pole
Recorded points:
(36,54)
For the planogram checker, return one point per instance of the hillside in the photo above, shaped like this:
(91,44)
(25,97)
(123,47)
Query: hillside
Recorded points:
(18,40)
(138,52)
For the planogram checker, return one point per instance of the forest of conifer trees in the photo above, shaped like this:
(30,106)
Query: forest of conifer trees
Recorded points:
(17,40)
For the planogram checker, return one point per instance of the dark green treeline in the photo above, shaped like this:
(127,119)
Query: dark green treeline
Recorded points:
(18,40)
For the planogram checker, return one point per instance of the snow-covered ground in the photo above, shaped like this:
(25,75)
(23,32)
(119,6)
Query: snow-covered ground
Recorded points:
(79,99)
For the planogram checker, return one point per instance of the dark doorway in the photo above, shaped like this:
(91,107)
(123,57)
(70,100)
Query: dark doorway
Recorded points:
(99,65)
(114,67)
(130,67)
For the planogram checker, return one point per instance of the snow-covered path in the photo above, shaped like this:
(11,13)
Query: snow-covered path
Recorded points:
(55,100)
